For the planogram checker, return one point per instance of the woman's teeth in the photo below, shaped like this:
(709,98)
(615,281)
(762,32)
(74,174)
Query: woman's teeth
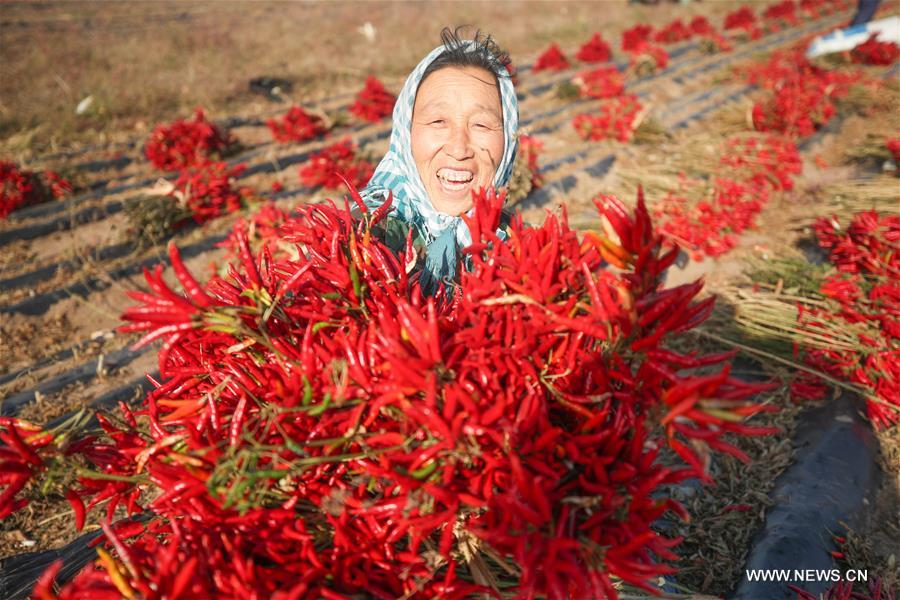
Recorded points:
(453,180)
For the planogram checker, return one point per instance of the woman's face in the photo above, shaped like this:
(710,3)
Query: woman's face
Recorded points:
(457,135)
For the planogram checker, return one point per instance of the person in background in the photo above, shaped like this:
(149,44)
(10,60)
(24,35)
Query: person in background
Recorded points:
(861,28)
(865,10)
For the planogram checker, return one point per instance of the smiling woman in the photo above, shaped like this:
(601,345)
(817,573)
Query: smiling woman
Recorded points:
(457,135)
(454,132)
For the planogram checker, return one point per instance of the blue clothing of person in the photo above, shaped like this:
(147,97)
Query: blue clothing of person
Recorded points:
(865,10)
(442,234)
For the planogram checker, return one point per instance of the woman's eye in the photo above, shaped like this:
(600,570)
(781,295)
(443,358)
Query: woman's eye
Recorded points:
(437,122)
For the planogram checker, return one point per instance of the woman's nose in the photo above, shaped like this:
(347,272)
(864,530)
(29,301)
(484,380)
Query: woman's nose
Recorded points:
(459,145)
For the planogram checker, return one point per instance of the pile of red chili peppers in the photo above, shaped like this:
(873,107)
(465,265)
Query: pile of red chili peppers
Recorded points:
(649,57)
(374,102)
(800,96)
(874,52)
(614,119)
(743,19)
(635,36)
(674,32)
(334,164)
(637,43)
(678,31)
(208,190)
(783,14)
(863,296)
(820,8)
(893,146)
(184,143)
(595,50)
(530,149)
(322,430)
(20,187)
(296,125)
(552,59)
(600,83)
(705,217)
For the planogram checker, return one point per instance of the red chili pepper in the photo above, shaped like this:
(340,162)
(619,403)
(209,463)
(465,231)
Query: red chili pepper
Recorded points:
(237,422)
(78,508)
(194,291)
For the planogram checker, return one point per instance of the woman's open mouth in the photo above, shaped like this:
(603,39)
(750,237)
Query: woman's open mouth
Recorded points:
(453,180)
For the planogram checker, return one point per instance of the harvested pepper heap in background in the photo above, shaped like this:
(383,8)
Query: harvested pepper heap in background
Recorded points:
(183,143)
(861,298)
(297,125)
(20,187)
(322,429)
(374,102)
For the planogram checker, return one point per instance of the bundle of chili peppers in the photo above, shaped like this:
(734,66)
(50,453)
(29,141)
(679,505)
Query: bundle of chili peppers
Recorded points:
(20,187)
(707,221)
(674,32)
(863,296)
(801,96)
(647,57)
(763,160)
(552,59)
(817,8)
(208,191)
(715,42)
(700,25)
(744,21)
(530,149)
(59,185)
(893,146)
(705,217)
(741,18)
(783,14)
(635,36)
(614,119)
(296,125)
(184,143)
(334,164)
(874,52)
(322,430)
(711,40)
(600,83)
(374,102)
(595,50)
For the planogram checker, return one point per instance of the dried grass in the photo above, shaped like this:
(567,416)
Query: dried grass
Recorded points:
(736,117)
(871,152)
(867,100)
(725,517)
(845,199)
(152,219)
(651,131)
(875,546)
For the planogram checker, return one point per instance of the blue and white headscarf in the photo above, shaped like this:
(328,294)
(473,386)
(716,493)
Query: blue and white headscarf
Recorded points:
(397,171)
